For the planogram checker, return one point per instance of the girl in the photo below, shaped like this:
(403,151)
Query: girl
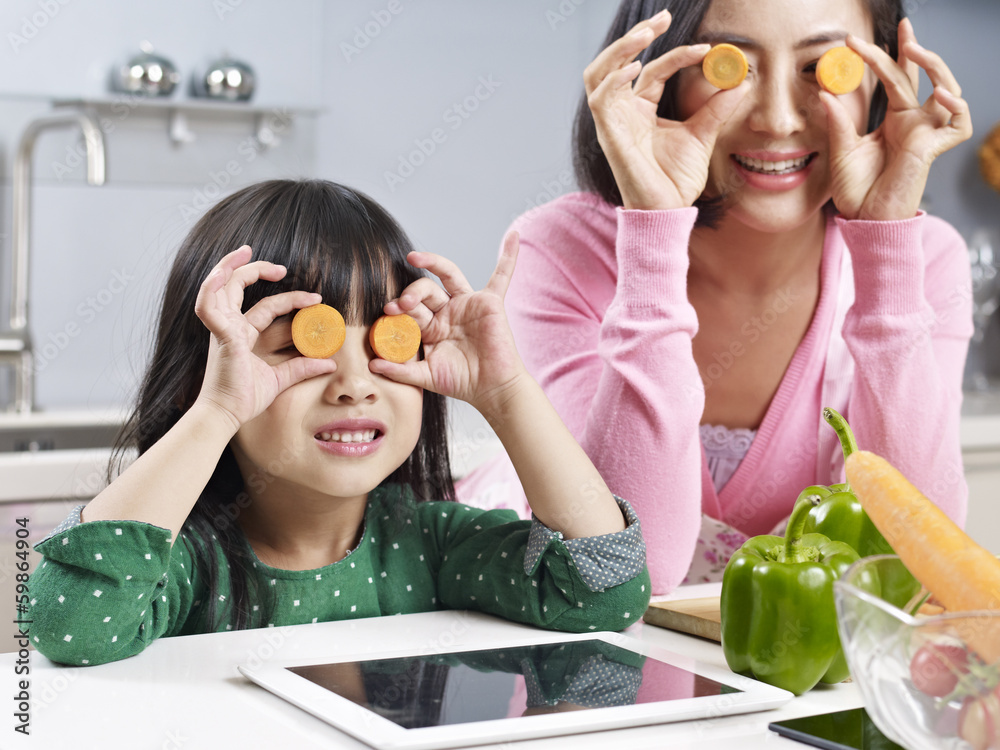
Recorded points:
(272,489)
(779,223)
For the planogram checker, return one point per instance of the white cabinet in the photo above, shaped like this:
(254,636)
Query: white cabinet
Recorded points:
(982,472)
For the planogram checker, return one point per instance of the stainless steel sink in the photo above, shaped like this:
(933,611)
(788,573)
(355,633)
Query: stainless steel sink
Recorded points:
(58,431)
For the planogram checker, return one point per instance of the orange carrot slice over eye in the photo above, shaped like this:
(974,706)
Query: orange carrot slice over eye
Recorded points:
(395,337)
(318,331)
(725,66)
(840,70)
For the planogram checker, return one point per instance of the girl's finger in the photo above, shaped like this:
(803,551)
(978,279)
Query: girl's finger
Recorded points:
(452,278)
(906,34)
(500,279)
(297,369)
(416,373)
(261,315)
(939,73)
(898,87)
(623,50)
(207,304)
(656,73)
(425,291)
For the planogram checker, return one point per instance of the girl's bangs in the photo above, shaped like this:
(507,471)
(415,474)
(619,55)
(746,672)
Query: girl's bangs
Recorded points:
(339,244)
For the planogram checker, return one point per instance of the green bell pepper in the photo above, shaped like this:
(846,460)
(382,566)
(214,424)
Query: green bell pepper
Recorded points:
(779,623)
(840,517)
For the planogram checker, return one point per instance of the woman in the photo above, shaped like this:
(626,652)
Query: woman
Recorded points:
(781,225)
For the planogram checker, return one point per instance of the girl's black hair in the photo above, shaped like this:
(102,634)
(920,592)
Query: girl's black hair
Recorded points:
(593,173)
(333,240)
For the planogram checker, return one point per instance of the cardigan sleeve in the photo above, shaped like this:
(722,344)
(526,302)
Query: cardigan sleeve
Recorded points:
(603,322)
(496,563)
(908,332)
(105,590)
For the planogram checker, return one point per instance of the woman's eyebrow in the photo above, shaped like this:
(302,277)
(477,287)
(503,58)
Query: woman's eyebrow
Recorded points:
(722,37)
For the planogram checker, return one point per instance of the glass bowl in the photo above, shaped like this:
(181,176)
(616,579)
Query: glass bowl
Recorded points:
(923,685)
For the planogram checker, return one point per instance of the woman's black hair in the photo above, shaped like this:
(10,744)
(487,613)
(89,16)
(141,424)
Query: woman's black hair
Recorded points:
(593,173)
(333,240)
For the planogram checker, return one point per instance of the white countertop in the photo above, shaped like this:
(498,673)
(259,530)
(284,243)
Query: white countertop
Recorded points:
(185,692)
(45,475)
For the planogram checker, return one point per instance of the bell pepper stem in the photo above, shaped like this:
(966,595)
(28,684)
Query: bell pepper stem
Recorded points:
(796,526)
(847,442)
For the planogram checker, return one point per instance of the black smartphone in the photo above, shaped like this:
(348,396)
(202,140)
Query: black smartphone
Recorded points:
(841,730)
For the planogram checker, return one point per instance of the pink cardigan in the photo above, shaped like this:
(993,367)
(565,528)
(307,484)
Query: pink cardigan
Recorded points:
(598,305)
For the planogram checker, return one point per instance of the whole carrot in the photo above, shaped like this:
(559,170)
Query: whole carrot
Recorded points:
(962,575)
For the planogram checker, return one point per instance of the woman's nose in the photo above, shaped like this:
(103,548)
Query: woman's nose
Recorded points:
(780,107)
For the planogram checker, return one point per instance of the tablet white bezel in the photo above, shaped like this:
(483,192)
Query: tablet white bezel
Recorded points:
(379,732)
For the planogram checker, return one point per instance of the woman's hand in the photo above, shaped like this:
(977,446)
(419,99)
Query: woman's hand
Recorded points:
(657,163)
(469,351)
(238,380)
(881,175)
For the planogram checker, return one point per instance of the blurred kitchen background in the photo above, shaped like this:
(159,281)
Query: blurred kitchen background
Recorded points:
(454,115)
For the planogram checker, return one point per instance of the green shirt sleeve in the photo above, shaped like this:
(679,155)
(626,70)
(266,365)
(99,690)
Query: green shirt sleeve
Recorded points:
(493,562)
(107,589)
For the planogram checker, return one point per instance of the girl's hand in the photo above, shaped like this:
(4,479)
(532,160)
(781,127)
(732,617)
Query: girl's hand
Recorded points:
(469,351)
(657,163)
(239,381)
(881,175)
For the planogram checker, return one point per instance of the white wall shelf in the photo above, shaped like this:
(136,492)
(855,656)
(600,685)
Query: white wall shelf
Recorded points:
(178,112)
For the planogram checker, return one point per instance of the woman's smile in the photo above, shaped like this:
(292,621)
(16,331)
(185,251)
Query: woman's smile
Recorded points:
(768,170)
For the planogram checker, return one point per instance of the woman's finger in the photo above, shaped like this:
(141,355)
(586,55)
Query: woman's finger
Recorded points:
(898,87)
(657,72)
(261,315)
(842,131)
(960,127)
(906,34)
(707,122)
(452,278)
(500,279)
(939,73)
(623,50)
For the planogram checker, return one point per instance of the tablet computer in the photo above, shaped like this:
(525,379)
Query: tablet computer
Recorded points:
(571,684)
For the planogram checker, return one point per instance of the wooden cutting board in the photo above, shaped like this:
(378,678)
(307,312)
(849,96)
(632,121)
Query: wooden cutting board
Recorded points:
(694,616)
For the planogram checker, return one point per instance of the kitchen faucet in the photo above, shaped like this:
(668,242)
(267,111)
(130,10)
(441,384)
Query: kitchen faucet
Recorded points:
(15,343)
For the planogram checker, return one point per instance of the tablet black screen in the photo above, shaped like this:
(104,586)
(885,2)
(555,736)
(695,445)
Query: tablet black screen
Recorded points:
(471,686)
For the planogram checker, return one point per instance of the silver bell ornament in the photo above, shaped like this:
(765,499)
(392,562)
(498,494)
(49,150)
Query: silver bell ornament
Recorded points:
(229,80)
(148,74)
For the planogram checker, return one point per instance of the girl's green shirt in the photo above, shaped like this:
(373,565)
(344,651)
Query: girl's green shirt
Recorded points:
(107,589)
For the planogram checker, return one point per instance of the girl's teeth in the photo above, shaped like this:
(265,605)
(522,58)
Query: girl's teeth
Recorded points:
(363,436)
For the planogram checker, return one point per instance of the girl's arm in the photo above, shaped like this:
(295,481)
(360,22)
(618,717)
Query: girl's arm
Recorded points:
(469,354)
(163,484)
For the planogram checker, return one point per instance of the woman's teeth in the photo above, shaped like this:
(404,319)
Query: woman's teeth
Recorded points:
(772,167)
(364,436)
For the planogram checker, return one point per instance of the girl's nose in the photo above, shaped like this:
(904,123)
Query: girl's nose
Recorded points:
(779,108)
(352,382)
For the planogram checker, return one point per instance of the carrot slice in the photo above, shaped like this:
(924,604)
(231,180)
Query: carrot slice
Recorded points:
(725,66)
(318,331)
(960,574)
(395,337)
(840,70)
